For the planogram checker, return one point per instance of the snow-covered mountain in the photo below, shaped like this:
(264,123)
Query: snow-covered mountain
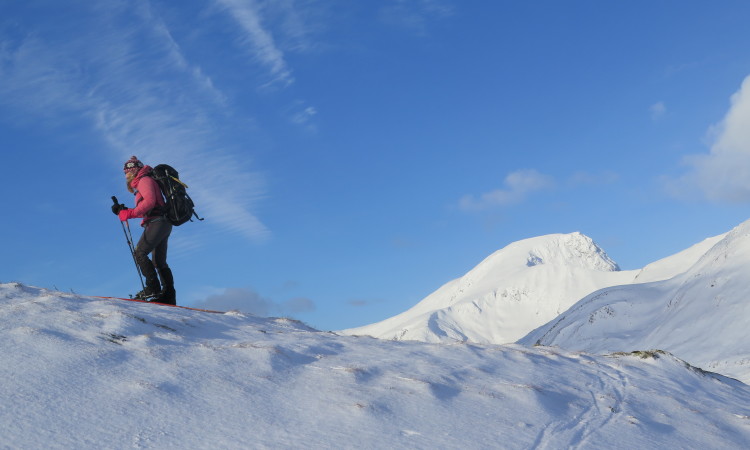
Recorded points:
(676,264)
(84,373)
(700,315)
(512,292)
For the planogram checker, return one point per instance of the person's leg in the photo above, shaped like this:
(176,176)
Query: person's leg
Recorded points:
(167,294)
(152,236)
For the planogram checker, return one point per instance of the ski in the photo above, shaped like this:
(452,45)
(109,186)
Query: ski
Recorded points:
(160,304)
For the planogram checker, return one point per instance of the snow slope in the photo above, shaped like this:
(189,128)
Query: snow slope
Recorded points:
(678,263)
(701,315)
(513,291)
(84,373)
(520,288)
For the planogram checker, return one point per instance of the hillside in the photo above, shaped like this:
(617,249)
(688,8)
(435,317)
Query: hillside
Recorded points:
(700,315)
(520,288)
(83,373)
(513,291)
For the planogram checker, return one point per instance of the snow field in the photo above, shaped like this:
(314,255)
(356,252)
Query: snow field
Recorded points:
(92,373)
(699,315)
(520,288)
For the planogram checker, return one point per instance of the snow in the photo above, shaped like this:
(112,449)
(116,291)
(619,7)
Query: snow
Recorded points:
(678,263)
(520,288)
(81,372)
(650,358)
(699,315)
(510,293)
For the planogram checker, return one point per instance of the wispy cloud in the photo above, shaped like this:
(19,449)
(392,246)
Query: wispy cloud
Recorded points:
(124,73)
(518,186)
(175,54)
(303,116)
(658,111)
(259,39)
(299,23)
(247,300)
(268,31)
(36,77)
(722,175)
(415,15)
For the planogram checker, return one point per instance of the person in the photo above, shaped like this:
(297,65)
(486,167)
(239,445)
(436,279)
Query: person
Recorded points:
(149,205)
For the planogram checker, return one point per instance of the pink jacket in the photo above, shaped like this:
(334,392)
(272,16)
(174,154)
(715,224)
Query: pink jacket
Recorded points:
(147,196)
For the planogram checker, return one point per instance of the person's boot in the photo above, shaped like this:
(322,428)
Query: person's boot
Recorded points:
(152,287)
(151,290)
(167,295)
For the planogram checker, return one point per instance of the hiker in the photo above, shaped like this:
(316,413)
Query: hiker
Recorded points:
(149,205)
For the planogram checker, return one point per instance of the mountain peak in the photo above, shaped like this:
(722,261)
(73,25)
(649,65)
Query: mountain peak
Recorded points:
(513,291)
(565,250)
(698,313)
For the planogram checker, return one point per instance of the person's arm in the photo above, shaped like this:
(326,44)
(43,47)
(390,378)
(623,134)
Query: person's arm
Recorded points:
(149,190)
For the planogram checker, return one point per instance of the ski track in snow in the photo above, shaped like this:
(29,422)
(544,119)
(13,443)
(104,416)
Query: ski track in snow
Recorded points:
(81,372)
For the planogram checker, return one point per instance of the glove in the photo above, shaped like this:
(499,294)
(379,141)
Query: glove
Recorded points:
(117,208)
(124,214)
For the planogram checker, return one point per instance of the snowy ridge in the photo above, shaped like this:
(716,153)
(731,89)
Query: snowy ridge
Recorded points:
(678,263)
(92,373)
(521,287)
(513,291)
(700,315)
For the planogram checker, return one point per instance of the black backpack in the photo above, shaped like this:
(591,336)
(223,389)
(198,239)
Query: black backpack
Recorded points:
(179,207)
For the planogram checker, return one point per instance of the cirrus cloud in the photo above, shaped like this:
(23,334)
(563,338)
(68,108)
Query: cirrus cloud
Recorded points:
(658,111)
(415,15)
(122,73)
(259,39)
(518,186)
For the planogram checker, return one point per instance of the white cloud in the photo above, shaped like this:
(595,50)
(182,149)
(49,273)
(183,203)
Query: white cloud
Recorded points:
(288,20)
(304,116)
(518,186)
(658,111)
(415,15)
(175,54)
(124,73)
(259,39)
(297,22)
(722,175)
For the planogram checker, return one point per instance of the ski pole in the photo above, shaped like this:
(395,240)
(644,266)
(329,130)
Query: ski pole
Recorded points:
(129,238)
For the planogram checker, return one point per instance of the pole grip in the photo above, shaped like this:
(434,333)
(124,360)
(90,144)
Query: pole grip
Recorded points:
(114,200)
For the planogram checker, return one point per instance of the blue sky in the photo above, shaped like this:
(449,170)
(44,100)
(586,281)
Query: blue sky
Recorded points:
(351,157)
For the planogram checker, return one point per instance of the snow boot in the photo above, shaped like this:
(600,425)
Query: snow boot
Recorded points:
(167,295)
(150,292)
